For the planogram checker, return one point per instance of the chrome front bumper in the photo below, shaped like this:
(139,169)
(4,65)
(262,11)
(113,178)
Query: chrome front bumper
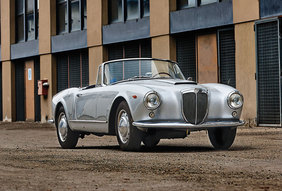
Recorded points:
(51,121)
(183,125)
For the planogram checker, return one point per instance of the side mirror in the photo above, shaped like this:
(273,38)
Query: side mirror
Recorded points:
(190,79)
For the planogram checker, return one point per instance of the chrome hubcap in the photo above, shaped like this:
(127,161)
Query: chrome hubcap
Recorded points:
(63,127)
(123,126)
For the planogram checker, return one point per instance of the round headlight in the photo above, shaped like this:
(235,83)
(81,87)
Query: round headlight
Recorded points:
(152,100)
(235,100)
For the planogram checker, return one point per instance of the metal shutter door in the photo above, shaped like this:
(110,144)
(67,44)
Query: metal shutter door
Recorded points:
(74,70)
(227,57)
(1,111)
(85,68)
(146,49)
(186,55)
(20,91)
(131,50)
(62,72)
(36,96)
(268,73)
(115,52)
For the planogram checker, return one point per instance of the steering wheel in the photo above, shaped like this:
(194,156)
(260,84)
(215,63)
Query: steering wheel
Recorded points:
(162,73)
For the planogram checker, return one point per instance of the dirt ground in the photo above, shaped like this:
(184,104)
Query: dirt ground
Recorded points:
(31,159)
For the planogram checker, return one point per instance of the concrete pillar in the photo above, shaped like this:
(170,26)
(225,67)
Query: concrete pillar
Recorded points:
(8,91)
(164,47)
(97,16)
(97,55)
(48,71)
(47,24)
(7,28)
(207,58)
(246,68)
(159,16)
(245,10)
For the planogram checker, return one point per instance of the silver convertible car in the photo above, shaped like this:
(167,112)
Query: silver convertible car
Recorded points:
(145,100)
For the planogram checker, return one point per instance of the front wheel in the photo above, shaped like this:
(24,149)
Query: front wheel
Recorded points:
(128,136)
(222,138)
(151,142)
(67,138)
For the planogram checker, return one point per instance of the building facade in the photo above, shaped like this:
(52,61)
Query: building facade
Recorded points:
(234,42)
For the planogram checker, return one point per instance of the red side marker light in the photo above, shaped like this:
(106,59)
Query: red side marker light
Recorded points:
(134,96)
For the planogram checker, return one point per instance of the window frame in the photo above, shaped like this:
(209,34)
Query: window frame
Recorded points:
(24,14)
(124,12)
(198,3)
(82,16)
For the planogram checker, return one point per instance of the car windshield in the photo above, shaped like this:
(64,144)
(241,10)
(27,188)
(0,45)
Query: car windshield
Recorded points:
(123,70)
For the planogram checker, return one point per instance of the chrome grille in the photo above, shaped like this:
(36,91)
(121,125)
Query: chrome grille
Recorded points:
(195,105)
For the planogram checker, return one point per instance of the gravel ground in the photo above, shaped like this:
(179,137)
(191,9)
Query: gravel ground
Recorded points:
(31,159)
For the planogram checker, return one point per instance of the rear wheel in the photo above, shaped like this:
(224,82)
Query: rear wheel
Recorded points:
(222,138)
(128,136)
(67,138)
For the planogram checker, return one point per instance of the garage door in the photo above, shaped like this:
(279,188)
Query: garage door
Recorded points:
(36,96)
(20,91)
(268,73)
(186,55)
(72,70)
(226,60)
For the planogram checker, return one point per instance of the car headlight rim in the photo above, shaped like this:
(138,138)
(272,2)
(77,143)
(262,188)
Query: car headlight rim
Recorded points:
(235,100)
(152,100)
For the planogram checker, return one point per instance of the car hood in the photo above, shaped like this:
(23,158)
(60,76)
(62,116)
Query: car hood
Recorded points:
(173,85)
(165,84)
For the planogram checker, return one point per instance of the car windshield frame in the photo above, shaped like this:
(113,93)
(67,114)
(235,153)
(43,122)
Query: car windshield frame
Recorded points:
(171,67)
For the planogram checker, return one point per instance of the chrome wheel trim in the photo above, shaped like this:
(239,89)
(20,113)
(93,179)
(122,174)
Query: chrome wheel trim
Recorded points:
(62,127)
(123,126)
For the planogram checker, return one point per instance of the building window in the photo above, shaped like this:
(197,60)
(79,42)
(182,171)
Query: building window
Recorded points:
(205,2)
(146,8)
(75,19)
(122,10)
(115,11)
(71,15)
(62,16)
(183,4)
(26,20)
(84,4)
(132,9)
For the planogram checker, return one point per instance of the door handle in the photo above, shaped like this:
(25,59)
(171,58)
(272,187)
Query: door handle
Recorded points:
(78,95)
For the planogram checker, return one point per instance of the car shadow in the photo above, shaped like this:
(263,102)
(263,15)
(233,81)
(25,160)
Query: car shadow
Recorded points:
(165,149)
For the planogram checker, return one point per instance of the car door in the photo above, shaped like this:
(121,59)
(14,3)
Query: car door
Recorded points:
(87,117)
(86,105)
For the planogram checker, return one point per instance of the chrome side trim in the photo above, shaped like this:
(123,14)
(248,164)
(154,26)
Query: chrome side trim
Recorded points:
(183,125)
(51,121)
(91,126)
(87,121)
